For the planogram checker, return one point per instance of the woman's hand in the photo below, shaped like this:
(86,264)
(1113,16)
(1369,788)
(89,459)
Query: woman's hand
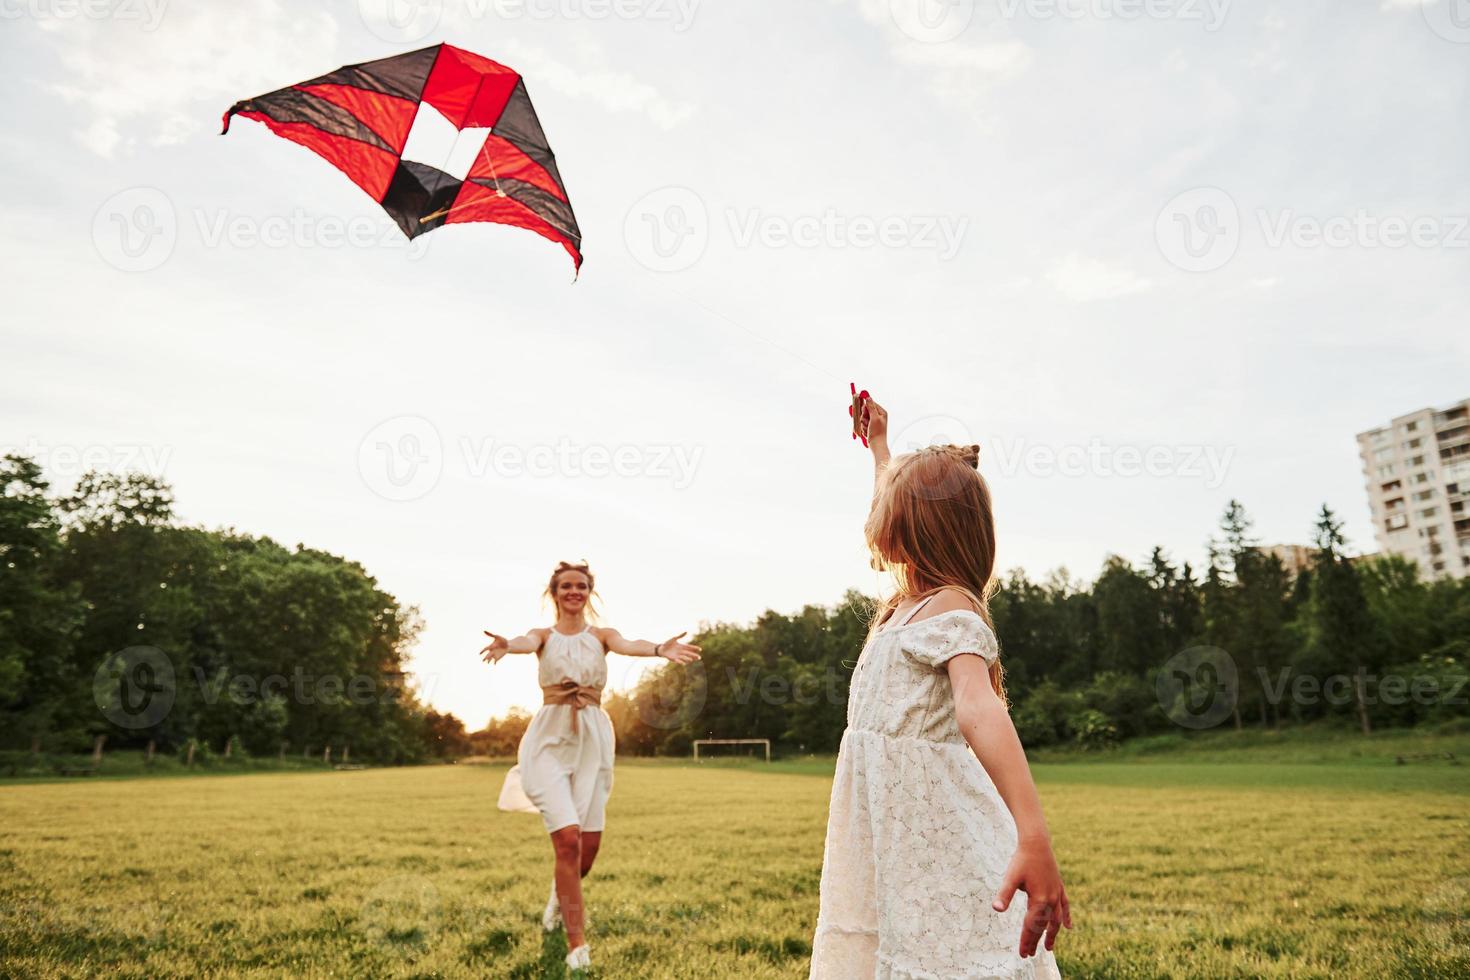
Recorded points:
(499,646)
(676,652)
(1033,870)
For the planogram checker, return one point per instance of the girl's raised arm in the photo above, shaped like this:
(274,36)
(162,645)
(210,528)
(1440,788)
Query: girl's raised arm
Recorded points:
(874,428)
(499,646)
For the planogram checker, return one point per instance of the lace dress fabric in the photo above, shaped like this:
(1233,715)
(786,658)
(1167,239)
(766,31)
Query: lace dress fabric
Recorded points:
(917,836)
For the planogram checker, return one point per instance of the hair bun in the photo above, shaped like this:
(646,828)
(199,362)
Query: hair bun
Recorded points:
(970,455)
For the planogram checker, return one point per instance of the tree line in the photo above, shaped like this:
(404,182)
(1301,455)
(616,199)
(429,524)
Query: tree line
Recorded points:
(117,620)
(1141,649)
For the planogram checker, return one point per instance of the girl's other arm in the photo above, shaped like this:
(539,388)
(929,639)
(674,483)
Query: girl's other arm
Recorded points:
(986,726)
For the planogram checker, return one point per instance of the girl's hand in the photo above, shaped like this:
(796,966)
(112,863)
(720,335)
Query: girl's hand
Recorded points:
(678,653)
(1033,870)
(499,647)
(874,425)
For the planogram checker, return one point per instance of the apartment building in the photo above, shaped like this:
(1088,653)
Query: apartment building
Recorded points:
(1417,471)
(1295,558)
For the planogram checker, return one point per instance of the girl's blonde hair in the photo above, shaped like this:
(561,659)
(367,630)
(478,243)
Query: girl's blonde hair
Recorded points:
(932,528)
(564,567)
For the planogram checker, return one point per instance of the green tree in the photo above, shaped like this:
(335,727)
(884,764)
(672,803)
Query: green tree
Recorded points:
(1340,624)
(39,612)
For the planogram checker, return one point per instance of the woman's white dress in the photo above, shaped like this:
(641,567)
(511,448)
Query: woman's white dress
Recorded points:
(918,839)
(564,771)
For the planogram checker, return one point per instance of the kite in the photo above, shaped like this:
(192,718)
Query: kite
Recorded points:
(359,118)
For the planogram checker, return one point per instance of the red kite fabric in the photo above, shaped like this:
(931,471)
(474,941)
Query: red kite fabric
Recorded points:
(358,118)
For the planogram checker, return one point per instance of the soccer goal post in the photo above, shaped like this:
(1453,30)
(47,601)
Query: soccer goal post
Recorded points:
(732,741)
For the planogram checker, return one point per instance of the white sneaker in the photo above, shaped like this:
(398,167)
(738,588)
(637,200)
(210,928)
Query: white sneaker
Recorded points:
(580,958)
(551,918)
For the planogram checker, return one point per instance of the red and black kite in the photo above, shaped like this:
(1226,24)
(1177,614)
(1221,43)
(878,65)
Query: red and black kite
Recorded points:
(358,118)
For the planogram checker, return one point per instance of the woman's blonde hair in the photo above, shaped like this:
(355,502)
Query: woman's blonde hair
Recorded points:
(561,569)
(932,528)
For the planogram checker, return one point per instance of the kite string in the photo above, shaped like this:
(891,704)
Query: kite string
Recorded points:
(756,334)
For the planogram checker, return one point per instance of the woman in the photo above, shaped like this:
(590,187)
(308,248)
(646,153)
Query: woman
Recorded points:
(565,761)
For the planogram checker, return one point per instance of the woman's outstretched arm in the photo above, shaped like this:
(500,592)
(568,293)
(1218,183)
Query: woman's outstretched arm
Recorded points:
(499,646)
(671,649)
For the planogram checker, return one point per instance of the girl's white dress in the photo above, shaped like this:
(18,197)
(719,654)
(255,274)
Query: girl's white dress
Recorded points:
(917,837)
(564,770)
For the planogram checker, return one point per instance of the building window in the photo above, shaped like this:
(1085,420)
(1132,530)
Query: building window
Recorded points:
(1428,512)
(1412,427)
(1386,470)
(1384,455)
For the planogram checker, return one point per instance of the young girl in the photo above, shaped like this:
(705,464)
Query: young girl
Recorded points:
(565,761)
(926,846)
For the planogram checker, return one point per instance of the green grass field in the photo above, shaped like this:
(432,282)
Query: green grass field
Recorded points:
(1177,866)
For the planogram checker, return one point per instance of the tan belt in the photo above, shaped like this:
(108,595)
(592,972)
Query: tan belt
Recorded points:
(579,696)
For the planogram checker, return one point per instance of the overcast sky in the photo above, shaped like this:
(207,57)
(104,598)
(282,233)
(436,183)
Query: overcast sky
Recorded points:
(1151,255)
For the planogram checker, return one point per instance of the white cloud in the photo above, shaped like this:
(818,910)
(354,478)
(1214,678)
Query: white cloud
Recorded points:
(1267,55)
(101,137)
(996,59)
(1083,280)
(960,70)
(166,85)
(615,91)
